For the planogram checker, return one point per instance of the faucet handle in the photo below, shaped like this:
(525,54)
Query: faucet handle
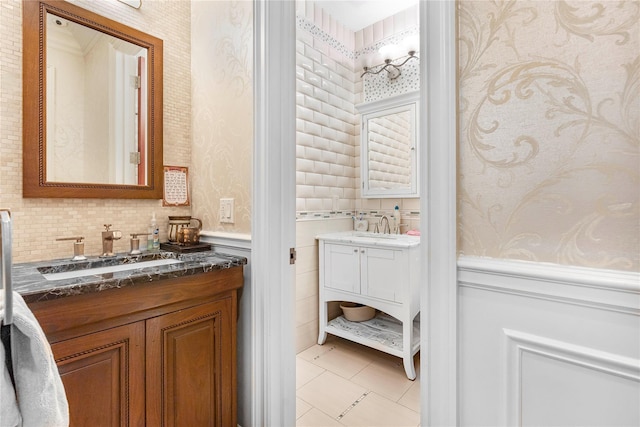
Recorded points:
(78,239)
(398,227)
(78,247)
(135,235)
(107,227)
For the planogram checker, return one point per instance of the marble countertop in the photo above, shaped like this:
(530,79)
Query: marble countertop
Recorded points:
(29,281)
(372,239)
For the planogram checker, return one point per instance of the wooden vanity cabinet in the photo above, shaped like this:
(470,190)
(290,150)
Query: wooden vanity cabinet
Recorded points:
(189,367)
(104,376)
(158,354)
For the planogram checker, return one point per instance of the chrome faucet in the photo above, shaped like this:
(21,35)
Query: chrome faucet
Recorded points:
(384,225)
(108,236)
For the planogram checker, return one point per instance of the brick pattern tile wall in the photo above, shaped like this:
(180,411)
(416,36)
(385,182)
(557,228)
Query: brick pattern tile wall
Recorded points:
(328,68)
(38,222)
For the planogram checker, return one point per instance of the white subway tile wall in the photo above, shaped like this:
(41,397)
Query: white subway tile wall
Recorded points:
(328,141)
(328,88)
(307,276)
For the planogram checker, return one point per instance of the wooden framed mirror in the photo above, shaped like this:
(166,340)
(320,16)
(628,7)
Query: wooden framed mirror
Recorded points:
(92,105)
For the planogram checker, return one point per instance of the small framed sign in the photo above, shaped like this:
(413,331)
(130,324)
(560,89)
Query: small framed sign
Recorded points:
(176,186)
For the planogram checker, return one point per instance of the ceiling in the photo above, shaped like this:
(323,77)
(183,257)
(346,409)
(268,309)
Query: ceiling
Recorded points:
(357,14)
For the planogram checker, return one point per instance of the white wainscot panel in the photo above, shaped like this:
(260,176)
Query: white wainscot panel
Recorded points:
(547,345)
(554,383)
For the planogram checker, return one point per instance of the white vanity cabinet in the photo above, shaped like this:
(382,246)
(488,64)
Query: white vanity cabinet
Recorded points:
(381,271)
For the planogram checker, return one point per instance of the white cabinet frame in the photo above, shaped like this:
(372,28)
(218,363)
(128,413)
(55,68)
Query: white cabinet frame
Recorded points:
(390,283)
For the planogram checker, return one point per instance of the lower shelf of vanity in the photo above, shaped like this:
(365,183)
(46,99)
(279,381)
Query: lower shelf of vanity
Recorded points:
(383,333)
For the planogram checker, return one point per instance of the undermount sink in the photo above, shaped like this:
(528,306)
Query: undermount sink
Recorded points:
(102,269)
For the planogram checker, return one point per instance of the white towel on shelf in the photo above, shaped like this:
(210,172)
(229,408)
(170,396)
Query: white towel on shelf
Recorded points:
(41,398)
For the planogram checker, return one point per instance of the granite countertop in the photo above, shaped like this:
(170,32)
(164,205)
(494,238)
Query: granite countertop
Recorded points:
(372,239)
(30,282)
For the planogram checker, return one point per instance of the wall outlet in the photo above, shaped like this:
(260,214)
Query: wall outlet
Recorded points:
(226,211)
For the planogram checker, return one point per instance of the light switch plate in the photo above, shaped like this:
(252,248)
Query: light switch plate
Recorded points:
(226,211)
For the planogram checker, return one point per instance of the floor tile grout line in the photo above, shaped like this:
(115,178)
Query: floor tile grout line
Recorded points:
(369,362)
(310,379)
(305,412)
(318,356)
(404,394)
(340,418)
(353,405)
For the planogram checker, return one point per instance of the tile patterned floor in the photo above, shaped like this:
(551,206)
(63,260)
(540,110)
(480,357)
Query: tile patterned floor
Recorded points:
(342,383)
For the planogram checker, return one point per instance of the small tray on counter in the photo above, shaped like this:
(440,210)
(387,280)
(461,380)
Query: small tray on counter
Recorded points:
(174,247)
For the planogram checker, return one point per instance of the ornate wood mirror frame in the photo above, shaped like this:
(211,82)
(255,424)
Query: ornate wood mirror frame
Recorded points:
(35,183)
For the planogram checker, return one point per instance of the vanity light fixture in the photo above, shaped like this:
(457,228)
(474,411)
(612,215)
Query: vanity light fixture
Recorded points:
(390,67)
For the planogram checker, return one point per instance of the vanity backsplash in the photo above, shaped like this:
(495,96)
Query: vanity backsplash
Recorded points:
(38,222)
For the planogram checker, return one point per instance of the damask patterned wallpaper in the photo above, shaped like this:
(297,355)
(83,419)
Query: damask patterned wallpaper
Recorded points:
(549,150)
(222,102)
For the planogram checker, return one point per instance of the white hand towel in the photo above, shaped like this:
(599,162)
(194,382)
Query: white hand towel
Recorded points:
(9,412)
(40,393)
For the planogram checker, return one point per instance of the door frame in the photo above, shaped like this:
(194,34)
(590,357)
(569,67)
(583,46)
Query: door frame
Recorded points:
(439,304)
(273,214)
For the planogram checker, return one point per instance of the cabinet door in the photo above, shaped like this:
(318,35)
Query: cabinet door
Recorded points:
(342,267)
(385,273)
(103,376)
(190,367)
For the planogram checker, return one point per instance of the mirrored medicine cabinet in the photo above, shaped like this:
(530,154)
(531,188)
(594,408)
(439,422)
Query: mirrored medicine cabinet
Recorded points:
(389,147)
(92,105)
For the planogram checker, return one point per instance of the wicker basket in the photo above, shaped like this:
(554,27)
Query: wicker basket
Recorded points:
(357,312)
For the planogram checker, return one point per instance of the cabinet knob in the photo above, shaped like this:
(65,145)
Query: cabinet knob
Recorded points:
(362,251)
(355,251)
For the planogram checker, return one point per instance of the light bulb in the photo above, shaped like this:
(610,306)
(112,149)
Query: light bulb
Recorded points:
(388,51)
(411,43)
(373,59)
(361,62)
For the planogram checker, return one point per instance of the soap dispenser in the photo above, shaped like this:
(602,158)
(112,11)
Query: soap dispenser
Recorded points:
(154,242)
(396,219)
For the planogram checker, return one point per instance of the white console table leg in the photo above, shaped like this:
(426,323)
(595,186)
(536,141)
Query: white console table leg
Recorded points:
(407,357)
(322,322)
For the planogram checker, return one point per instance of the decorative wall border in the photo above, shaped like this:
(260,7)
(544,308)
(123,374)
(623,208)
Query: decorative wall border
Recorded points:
(393,39)
(376,86)
(367,213)
(517,343)
(612,290)
(318,33)
(305,24)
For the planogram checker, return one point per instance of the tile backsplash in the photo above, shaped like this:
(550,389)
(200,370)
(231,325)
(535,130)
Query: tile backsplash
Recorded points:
(38,222)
